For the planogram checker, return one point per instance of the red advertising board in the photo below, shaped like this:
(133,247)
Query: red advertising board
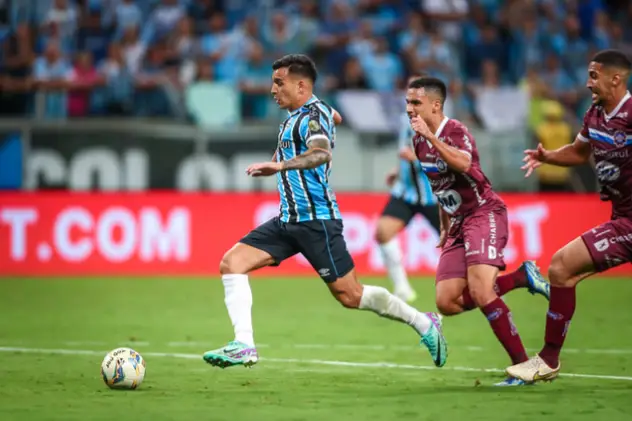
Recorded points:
(186,234)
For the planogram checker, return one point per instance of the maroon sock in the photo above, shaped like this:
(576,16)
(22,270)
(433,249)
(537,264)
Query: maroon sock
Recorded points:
(502,324)
(558,318)
(511,281)
(504,284)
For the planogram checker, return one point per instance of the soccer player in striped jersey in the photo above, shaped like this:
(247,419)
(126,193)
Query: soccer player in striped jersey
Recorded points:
(309,223)
(411,194)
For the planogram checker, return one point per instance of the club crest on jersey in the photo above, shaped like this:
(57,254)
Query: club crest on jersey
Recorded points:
(619,138)
(441,165)
(313,125)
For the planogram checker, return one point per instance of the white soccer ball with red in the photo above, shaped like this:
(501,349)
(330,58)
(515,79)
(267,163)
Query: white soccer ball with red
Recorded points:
(123,368)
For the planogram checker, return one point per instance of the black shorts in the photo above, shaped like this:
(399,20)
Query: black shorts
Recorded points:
(320,241)
(400,209)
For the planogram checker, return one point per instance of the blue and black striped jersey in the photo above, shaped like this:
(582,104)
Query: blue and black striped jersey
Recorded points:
(305,194)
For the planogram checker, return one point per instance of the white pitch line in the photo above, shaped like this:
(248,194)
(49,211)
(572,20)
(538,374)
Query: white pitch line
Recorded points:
(359,347)
(375,347)
(306,361)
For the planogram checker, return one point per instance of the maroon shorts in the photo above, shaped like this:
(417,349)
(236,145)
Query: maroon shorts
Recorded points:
(477,239)
(610,244)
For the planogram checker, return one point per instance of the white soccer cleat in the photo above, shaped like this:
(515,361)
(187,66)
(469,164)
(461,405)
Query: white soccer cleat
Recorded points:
(533,370)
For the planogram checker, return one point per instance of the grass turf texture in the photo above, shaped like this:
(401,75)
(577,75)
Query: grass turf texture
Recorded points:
(319,361)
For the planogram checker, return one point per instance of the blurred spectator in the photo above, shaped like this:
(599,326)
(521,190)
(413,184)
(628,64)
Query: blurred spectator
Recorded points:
(149,51)
(569,45)
(308,25)
(64,16)
(181,41)
(601,34)
(362,44)
(280,35)
(413,36)
(128,15)
(450,13)
(353,77)
(553,133)
(15,83)
(529,49)
(336,32)
(133,49)
(201,11)
(255,84)
(500,106)
(82,80)
(162,20)
(94,36)
(51,73)
(488,47)
(436,58)
(383,68)
(117,99)
(151,98)
(560,85)
(458,105)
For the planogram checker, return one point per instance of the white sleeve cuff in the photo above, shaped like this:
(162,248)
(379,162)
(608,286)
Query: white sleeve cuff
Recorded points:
(582,138)
(316,137)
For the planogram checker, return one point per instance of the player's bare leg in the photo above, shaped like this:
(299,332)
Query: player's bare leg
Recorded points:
(569,266)
(352,294)
(453,295)
(240,260)
(449,296)
(386,236)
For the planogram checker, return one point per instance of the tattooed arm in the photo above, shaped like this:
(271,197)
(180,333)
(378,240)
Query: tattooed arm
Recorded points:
(318,154)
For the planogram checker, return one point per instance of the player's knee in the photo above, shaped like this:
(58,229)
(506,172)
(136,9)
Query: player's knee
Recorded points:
(349,296)
(230,264)
(558,273)
(382,236)
(447,306)
(349,299)
(481,293)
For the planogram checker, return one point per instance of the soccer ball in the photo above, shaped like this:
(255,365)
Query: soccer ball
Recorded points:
(123,368)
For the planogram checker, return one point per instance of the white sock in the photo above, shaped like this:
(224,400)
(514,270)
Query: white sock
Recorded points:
(392,256)
(238,299)
(385,304)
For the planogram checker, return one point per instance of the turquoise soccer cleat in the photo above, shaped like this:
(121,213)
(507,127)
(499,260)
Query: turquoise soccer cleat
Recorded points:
(435,341)
(235,353)
(536,283)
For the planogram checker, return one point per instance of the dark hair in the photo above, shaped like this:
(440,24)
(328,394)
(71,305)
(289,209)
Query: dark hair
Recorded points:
(297,64)
(432,84)
(613,58)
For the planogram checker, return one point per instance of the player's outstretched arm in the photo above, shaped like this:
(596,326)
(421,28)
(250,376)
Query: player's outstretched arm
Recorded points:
(318,153)
(577,153)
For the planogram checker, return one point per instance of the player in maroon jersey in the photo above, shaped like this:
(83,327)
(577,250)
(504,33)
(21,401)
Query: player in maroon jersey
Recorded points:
(474,226)
(607,135)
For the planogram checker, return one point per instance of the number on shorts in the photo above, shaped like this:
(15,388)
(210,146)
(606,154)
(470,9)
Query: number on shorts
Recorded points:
(491,252)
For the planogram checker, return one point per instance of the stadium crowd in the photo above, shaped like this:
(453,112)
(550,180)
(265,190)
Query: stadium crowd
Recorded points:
(75,58)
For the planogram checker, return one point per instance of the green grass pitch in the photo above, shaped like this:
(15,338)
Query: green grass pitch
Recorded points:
(319,361)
